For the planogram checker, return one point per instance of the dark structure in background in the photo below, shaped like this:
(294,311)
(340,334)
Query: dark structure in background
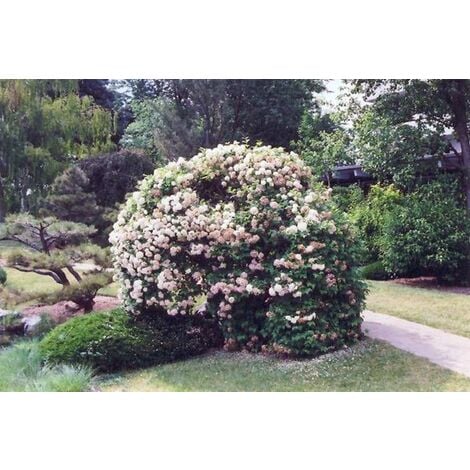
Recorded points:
(450,162)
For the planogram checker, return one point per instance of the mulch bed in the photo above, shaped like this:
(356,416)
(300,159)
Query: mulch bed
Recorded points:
(425,282)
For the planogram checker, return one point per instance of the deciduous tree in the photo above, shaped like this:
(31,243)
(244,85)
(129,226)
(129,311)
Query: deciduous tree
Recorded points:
(44,125)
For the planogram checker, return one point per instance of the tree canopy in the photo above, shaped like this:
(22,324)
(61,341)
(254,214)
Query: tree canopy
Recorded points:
(405,119)
(44,126)
(177,117)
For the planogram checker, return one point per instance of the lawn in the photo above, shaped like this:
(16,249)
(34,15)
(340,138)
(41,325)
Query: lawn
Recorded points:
(370,366)
(30,283)
(446,311)
(34,284)
(8,246)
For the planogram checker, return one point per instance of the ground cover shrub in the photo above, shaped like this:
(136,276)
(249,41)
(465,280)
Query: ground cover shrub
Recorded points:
(109,341)
(22,369)
(249,229)
(429,234)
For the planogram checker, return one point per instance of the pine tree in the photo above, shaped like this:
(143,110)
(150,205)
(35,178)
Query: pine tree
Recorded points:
(71,198)
(55,247)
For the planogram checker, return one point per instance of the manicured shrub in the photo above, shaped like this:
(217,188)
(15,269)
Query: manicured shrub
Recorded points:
(429,234)
(375,272)
(114,340)
(247,228)
(3,276)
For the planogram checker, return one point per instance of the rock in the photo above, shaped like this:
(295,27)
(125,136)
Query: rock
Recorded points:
(37,325)
(32,324)
(11,322)
(8,313)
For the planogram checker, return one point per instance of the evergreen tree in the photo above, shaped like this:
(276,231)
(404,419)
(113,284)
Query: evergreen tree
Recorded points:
(91,191)
(55,247)
(71,198)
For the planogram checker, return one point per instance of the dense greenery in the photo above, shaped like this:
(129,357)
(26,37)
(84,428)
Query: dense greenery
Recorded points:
(71,200)
(174,118)
(247,228)
(90,191)
(421,233)
(44,126)
(112,176)
(370,216)
(375,271)
(109,341)
(324,143)
(428,234)
(406,121)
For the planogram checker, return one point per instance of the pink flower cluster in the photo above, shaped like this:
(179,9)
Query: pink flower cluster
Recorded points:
(211,216)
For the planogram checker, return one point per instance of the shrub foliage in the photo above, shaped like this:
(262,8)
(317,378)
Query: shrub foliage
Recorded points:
(375,272)
(370,217)
(248,229)
(429,234)
(109,341)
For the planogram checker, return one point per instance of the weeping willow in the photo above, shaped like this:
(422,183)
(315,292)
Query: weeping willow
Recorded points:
(44,126)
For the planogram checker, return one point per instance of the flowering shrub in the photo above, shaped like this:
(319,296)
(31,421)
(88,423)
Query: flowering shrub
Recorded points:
(247,228)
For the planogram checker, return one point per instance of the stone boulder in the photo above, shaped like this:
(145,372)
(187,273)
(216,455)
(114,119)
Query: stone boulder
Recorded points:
(11,322)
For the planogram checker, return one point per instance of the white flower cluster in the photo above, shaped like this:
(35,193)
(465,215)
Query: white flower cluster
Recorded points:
(217,214)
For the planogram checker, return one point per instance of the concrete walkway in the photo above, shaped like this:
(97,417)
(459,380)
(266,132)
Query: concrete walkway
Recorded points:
(445,349)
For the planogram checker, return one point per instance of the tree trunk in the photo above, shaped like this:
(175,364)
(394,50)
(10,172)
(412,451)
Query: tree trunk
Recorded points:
(462,132)
(3,205)
(458,104)
(87,305)
(62,276)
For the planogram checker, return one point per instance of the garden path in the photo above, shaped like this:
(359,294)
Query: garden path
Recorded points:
(445,349)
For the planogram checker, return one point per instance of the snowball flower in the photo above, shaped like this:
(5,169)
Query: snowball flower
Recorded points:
(213,225)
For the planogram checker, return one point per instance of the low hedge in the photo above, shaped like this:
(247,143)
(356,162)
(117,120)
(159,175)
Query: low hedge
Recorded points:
(115,340)
(375,272)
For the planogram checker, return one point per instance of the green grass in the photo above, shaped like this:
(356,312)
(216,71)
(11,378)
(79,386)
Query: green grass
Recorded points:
(33,285)
(368,366)
(443,310)
(8,246)
(21,370)
(111,290)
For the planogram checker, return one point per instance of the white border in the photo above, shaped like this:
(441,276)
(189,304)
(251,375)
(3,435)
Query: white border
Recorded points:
(249,39)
